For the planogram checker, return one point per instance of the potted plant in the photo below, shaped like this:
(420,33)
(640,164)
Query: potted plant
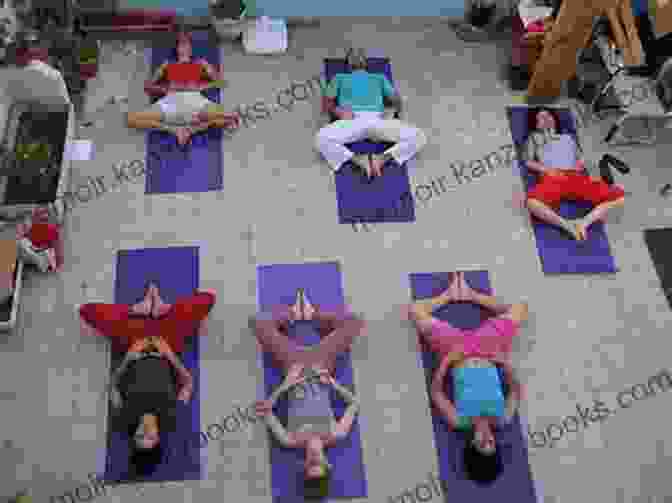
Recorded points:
(228,17)
(37,154)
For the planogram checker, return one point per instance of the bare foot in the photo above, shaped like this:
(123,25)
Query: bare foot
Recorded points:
(377,163)
(142,308)
(183,134)
(578,230)
(467,293)
(296,310)
(582,230)
(308,309)
(159,307)
(453,291)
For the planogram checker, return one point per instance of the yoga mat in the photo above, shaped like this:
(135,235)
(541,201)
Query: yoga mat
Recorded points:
(176,270)
(558,252)
(383,199)
(277,284)
(515,482)
(197,166)
(659,242)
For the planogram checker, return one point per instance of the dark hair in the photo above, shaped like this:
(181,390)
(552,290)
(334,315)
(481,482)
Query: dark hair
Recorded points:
(483,469)
(143,462)
(532,117)
(317,488)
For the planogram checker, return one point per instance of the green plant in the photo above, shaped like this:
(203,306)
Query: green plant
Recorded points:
(34,151)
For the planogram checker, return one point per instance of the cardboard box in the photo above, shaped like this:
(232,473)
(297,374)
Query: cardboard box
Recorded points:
(8,255)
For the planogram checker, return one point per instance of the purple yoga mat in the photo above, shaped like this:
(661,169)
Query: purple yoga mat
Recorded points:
(197,166)
(386,199)
(559,253)
(515,483)
(176,271)
(322,283)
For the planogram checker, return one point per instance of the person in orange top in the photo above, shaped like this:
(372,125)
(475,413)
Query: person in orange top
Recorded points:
(183,111)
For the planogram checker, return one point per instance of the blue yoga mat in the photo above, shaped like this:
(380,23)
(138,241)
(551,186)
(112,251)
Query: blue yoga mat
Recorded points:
(176,270)
(515,483)
(277,284)
(559,253)
(197,166)
(381,200)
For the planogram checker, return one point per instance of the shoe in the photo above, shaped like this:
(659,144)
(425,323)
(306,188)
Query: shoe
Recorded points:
(605,170)
(622,168)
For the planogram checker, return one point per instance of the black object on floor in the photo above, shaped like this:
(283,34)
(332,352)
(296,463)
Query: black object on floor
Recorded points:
(665,189)
(42,126)
(611,133)
(659,242)
(615,162)
(481,16)
(605,170)
(519,77)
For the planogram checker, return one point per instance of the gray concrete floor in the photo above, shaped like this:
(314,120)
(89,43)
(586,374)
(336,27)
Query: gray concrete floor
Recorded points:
(277,206)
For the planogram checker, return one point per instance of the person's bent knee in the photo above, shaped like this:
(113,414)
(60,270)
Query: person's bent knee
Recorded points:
(518,312)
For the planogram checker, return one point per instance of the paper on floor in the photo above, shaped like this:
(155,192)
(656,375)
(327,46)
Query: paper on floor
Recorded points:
(79,150)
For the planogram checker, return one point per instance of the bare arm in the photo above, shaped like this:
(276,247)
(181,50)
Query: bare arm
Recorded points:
(344,425)
(116,377)
(532,148)
(515,389)
(420,309)
(285,438)
(395,102)
(439,397)
(210,70)
(159,74)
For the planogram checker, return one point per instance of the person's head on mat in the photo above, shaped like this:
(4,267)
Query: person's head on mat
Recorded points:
(146,451)
(317,470)
(357,59)
(183,47)
(544,118)
(482,459)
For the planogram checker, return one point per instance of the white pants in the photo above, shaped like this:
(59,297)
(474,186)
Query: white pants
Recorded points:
(28,253)
(180,108)
(330,140)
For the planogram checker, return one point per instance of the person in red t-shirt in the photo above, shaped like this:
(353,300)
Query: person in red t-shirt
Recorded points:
(40,242)
(183,111)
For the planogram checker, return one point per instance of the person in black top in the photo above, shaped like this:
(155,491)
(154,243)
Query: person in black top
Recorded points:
(145,390)
(151,379)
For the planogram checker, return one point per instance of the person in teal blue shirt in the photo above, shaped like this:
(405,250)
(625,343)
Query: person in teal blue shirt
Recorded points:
(358,100)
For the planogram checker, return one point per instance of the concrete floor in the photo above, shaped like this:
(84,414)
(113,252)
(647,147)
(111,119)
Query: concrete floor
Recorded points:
(278,205)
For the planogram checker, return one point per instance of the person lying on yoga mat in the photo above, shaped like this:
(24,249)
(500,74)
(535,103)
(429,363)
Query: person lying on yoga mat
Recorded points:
(146,386)
(358,100)
(554,158)
(184,111)
(151,378)
(309,369)
(463,350)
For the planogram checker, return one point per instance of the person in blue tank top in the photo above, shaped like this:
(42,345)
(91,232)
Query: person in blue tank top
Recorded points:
(358,100)
(306,341)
